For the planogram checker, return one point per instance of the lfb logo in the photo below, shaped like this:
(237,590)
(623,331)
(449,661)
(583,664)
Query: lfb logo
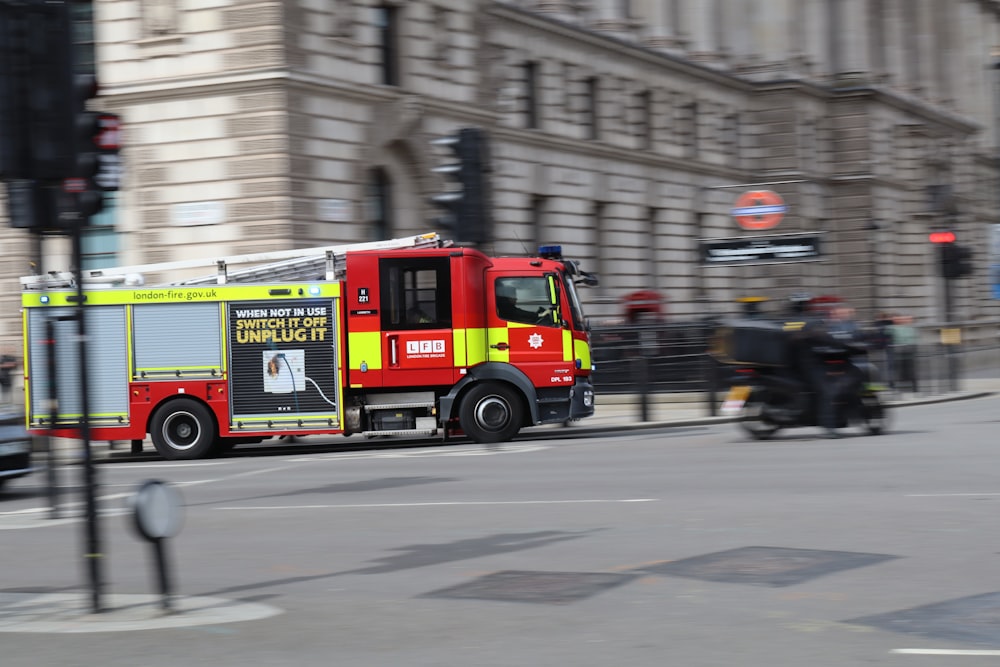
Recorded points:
(414,347)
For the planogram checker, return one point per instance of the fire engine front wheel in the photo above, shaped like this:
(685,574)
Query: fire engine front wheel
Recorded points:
(491,412)
(183,429)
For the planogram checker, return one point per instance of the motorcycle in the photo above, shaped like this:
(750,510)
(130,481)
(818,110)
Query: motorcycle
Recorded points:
(768,399)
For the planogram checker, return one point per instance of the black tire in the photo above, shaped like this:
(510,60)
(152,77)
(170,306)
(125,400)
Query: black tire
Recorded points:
(752,419)
(491,412)
(874,414)
(183,429)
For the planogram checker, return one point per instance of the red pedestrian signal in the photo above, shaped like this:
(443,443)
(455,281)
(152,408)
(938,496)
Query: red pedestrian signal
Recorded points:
(942,237)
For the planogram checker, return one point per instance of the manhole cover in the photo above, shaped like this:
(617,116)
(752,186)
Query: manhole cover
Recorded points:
(765,566)
(973,619)
(539,587)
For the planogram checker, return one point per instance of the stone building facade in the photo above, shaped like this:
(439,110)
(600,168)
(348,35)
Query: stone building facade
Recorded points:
(623,130)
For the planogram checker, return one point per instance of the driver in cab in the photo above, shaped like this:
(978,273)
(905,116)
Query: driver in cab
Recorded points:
(507,307)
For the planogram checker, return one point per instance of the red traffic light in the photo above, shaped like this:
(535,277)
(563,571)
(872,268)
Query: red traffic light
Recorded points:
(942,237)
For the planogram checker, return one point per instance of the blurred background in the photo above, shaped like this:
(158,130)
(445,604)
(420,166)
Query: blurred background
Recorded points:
(697,154)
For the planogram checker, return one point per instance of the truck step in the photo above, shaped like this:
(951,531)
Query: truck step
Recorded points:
(398,406)
(414,431)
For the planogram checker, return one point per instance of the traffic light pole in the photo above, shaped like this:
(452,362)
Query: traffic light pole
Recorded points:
(949,352)
(93,555)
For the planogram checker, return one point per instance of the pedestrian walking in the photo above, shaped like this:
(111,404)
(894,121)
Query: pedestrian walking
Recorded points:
(881,342)
(904,352)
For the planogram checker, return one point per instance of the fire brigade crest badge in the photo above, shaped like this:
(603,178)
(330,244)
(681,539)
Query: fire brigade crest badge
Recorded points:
(535,341)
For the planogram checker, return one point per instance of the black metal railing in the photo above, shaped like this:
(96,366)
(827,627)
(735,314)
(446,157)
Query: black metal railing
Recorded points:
(672,357)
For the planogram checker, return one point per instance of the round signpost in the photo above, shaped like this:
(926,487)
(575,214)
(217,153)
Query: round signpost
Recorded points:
(156,509)
(758,210)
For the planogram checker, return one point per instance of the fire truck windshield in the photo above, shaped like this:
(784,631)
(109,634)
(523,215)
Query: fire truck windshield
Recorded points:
(575,308)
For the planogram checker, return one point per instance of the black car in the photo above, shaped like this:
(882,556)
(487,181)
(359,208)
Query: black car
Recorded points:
(15,445)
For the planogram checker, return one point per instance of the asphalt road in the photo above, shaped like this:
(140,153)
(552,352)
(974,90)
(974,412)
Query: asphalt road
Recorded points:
(684,546)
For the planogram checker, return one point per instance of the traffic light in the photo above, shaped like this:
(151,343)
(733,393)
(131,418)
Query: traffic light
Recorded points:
(467,206)
(35,84)
(954,260)
(87,132)
(13,61)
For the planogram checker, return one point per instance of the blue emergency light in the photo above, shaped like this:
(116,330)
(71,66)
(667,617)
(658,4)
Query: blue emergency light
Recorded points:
(550,251)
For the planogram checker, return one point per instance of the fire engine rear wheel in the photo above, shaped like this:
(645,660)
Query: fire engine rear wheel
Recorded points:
(491,412)
(183,429)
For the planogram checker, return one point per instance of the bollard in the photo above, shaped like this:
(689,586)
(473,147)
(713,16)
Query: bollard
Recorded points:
(157,514)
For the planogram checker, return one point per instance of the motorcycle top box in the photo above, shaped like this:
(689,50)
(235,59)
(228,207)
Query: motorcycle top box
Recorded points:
(752,343)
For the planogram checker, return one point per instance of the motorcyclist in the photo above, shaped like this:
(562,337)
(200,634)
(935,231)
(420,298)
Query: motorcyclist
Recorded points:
(810,344)
(844,329)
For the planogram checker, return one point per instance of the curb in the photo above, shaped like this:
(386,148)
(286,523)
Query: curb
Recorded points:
(584,429)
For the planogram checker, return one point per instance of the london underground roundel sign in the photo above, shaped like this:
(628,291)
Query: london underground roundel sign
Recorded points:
(758,210)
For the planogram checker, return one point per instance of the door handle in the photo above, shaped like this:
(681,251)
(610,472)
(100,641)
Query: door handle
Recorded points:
(393,351)
(501,346)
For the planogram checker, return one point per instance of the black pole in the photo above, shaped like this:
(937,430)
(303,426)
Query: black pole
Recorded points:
(949,345)
(163,572)
(92,553)
(53,410)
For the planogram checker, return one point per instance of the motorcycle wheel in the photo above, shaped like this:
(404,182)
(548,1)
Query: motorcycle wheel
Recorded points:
(874,414)
(752,418)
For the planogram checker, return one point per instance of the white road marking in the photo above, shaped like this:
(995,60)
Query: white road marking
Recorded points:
(421,453)
(948,495)
(943,651)
(438,504)
(168,466)
(32,517)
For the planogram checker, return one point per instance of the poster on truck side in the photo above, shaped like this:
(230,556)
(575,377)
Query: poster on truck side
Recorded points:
(282,359)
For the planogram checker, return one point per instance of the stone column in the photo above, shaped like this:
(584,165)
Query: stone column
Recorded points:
(851,32)
(606,18)
(700,16)
(767,25)
(659,17)
(809,34)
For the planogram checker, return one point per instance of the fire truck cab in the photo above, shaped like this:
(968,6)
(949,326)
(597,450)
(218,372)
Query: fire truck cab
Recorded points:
(407,337)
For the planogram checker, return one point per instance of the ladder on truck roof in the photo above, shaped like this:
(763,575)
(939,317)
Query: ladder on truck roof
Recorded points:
(319,263)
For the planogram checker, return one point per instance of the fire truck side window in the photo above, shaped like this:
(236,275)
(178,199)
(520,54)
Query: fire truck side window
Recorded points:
(529,300)
(416,293)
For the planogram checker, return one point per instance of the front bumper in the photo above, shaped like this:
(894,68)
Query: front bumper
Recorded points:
(582,399)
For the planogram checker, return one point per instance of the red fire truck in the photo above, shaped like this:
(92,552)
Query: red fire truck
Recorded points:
(408,337)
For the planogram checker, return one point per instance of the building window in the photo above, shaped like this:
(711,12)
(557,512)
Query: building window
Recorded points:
(691,137)
(809,147)
(82,16)
(537,222)
(380,204)
(442,40)
(99,242)
(416,293)
(601,238)
(644,119)
(531,94)
(387,26)
(730,138)
(591,111)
